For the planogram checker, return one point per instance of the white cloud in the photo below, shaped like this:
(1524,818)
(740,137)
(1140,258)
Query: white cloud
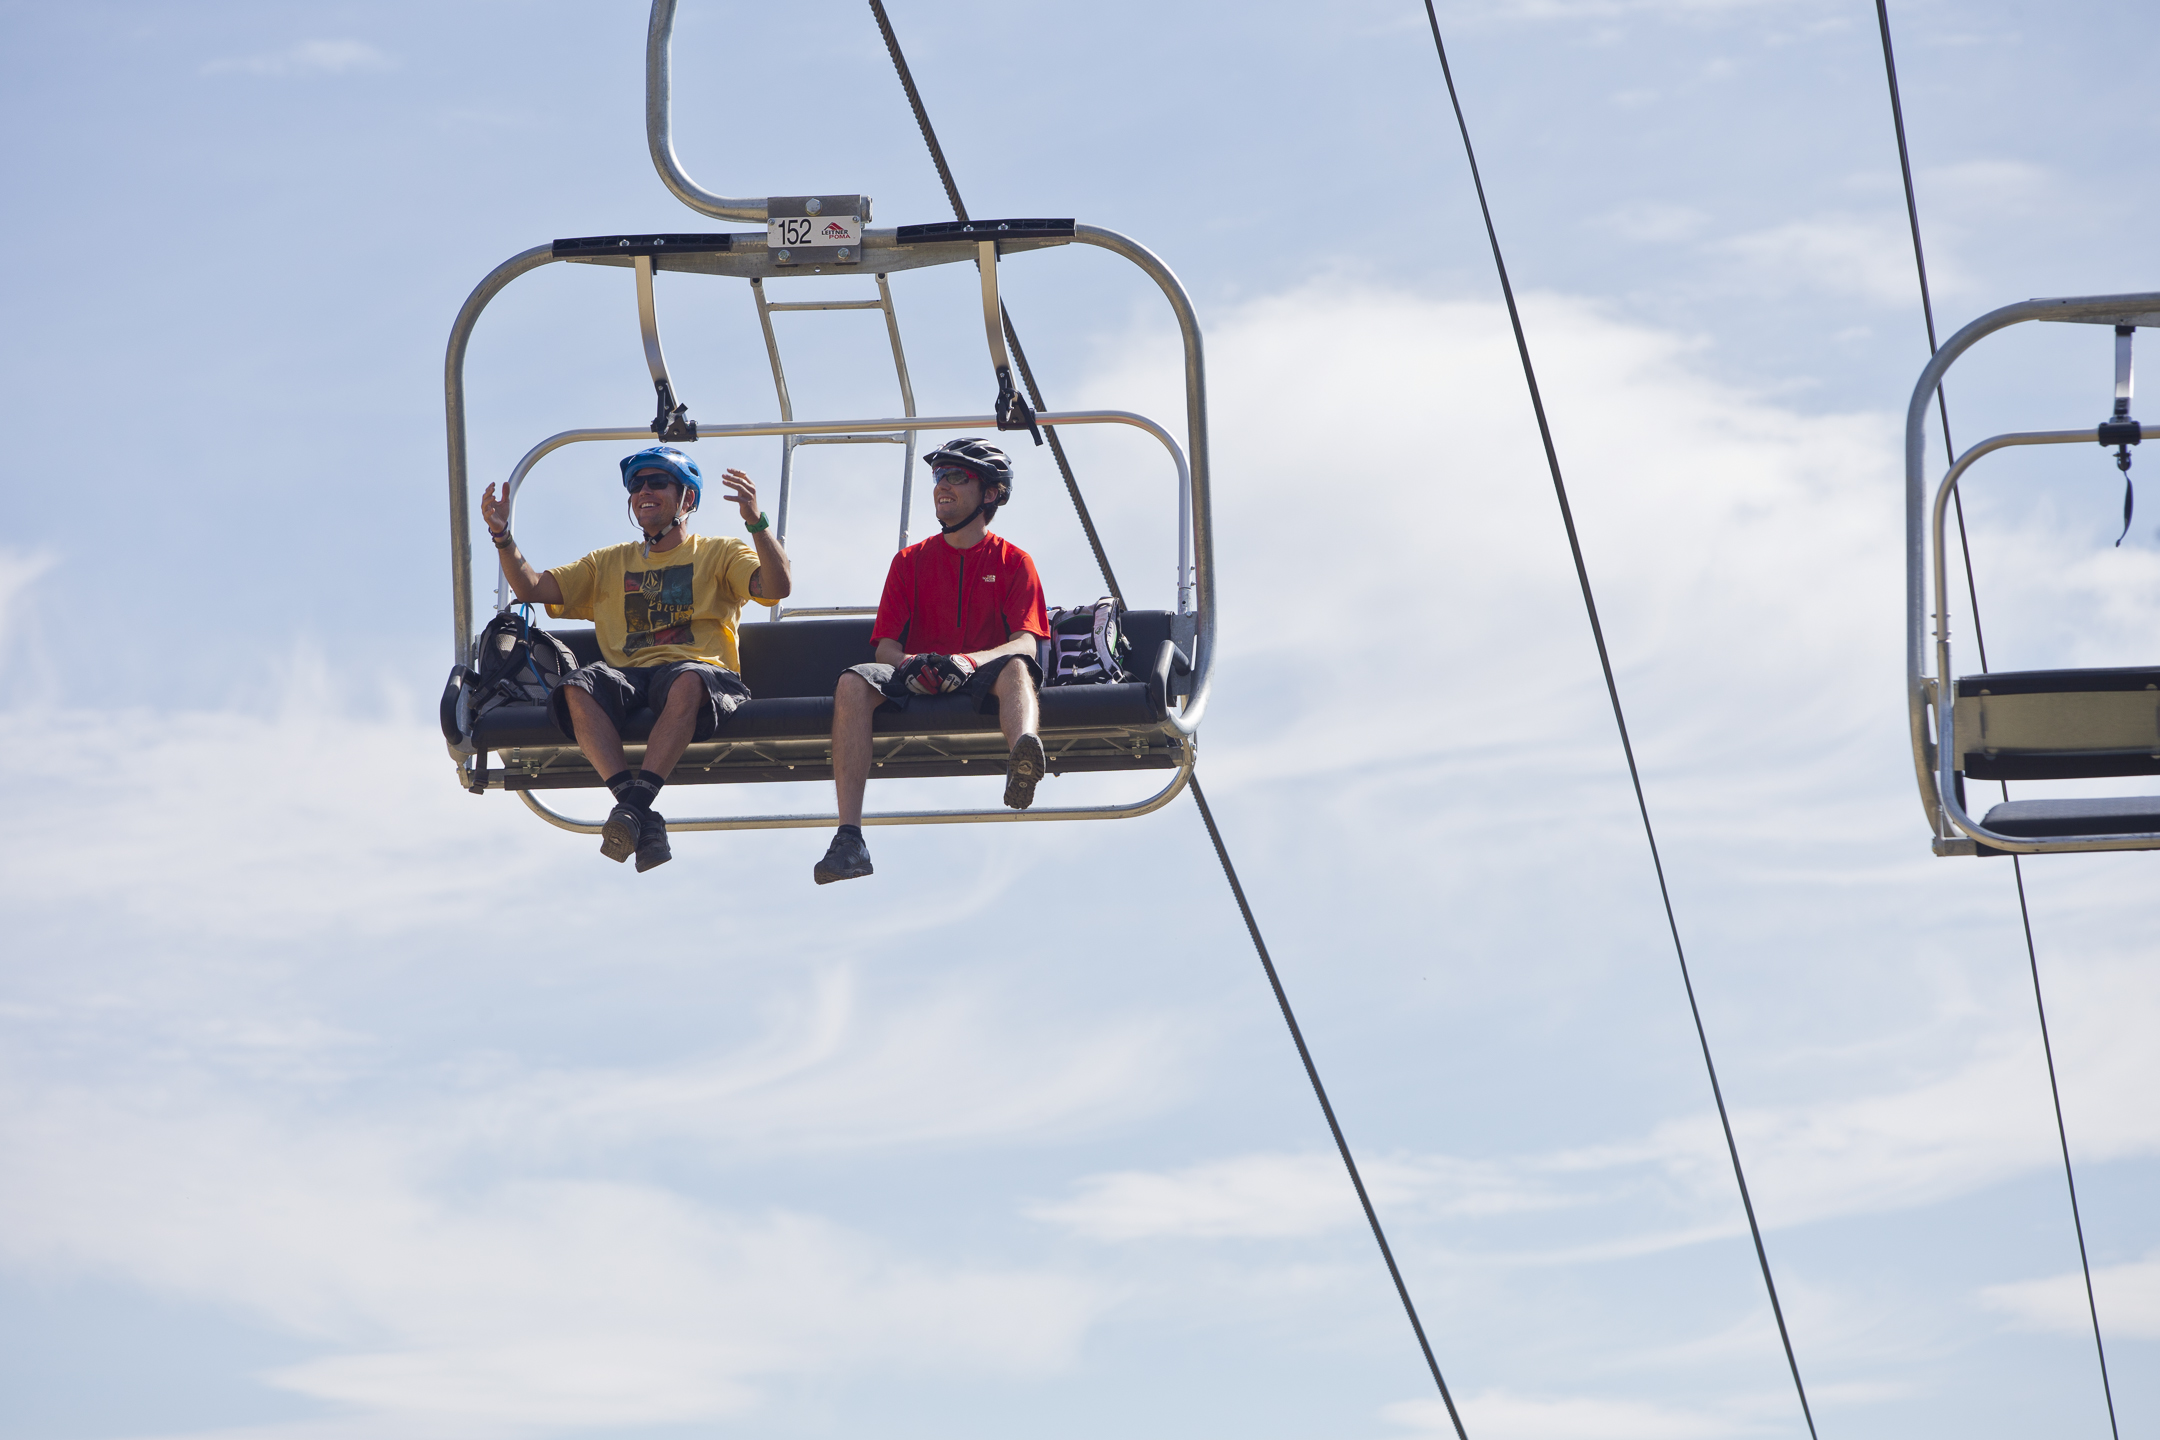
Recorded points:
(513,1305)
(2127,1296)
(308,57)
(1902,1149)
(1870,259)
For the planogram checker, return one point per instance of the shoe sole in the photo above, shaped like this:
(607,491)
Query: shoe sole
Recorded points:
(1021,773)
(824,876)
(618,840)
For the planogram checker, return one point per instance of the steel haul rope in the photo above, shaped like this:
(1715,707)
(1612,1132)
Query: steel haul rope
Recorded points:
(1312,1073)
(2017,864)
(1012,337)
(1612,690)
(1222,853)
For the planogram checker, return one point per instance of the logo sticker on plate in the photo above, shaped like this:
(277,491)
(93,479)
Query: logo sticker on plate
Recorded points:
(813,232)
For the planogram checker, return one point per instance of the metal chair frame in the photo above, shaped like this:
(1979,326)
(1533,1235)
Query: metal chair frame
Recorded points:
(1931,697)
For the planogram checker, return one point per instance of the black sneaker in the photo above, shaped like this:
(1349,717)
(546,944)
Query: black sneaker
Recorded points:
(619,836)
(847,858)
(652,843)
(1023,770)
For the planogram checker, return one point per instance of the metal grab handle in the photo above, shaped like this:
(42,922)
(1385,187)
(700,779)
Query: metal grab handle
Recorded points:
(659,137)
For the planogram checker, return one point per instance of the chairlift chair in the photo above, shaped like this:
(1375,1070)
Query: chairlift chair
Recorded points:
(2023,724)
(792,663)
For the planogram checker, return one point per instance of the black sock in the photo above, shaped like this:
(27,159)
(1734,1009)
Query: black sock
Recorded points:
(856,830)
(617,784)
(641,790)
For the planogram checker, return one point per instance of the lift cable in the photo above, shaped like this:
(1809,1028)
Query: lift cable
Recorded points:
(1312,1073)
(1252,926)
(1012,337)
(2032,954)
(1612,690)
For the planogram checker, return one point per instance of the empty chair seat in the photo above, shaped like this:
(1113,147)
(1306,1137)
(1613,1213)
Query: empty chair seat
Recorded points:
(2046,819)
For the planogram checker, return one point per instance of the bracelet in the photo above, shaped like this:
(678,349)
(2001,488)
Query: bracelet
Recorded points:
(501,538)
(761,526)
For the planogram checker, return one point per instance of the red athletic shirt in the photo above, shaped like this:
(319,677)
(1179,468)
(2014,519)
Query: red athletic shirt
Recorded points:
(942,601)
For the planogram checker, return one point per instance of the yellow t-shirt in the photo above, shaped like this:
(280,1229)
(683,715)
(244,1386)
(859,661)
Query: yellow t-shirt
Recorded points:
(679,604)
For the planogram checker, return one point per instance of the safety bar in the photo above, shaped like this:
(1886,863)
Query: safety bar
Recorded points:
(2142,308)
(1148,806)
(1946,746)
(1195,619)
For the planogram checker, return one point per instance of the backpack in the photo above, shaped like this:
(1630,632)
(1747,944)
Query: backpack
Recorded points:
(513,664)
(1087,646)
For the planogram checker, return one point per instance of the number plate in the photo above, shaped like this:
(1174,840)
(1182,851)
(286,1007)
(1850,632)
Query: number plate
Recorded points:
(813,232)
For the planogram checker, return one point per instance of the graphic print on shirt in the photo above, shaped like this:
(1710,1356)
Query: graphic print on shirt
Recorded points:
(656,607)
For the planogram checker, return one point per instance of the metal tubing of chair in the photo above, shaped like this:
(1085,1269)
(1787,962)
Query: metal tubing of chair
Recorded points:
(461,329)
(1152,803)
(648,317)
(1200,513)
(2089,309)
(659,136)
(1944,689)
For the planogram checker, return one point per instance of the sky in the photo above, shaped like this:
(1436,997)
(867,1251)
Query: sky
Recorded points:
(336,1102)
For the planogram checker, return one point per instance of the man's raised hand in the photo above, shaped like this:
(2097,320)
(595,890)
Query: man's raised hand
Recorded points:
(743,491)
(495,512)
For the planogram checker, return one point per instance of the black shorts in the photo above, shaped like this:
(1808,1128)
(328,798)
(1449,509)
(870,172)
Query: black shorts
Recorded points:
(980,688)
(622,693)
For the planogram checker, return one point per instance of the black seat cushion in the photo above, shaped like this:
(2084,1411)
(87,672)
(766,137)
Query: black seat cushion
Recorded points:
(2045,819)
(2060,682)
(792,666)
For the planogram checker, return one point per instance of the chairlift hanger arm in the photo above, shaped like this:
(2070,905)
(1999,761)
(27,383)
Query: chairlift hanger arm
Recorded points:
(659,128)
(671,417)
(1011,407)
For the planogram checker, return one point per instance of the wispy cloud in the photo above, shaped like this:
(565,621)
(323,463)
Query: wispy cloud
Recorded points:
(308,57)
(2127,1296)
(1869,258)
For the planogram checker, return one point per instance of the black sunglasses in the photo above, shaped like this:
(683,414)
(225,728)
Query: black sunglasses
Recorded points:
(952,475)
(648,480)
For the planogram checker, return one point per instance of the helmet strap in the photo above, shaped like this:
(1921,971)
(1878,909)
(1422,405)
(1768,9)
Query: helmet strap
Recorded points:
(674,524)
(962,525)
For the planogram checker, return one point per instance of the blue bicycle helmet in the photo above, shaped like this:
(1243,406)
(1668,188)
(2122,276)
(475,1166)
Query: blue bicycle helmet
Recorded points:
(667,458)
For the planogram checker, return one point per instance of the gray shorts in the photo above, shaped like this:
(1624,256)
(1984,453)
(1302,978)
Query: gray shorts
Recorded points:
(981,687)
(622,693)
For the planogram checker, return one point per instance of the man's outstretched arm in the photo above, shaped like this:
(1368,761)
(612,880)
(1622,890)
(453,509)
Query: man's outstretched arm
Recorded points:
(774,579)
(537,587)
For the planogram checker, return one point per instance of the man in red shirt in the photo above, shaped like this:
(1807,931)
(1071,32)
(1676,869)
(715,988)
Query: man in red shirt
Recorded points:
(961,614)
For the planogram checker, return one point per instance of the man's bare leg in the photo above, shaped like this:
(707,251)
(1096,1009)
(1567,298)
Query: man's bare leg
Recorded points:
(1019,712)
(596,734)
(855,701)
(677,723)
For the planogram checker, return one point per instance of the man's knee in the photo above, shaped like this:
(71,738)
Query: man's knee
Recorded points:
(685,693)
(587,715)
(1014,679)
(853,695)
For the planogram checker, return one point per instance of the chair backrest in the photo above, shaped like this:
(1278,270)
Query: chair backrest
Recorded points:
(805,657)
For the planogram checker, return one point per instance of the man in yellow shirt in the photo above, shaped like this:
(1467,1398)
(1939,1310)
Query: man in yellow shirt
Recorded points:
(664,610)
